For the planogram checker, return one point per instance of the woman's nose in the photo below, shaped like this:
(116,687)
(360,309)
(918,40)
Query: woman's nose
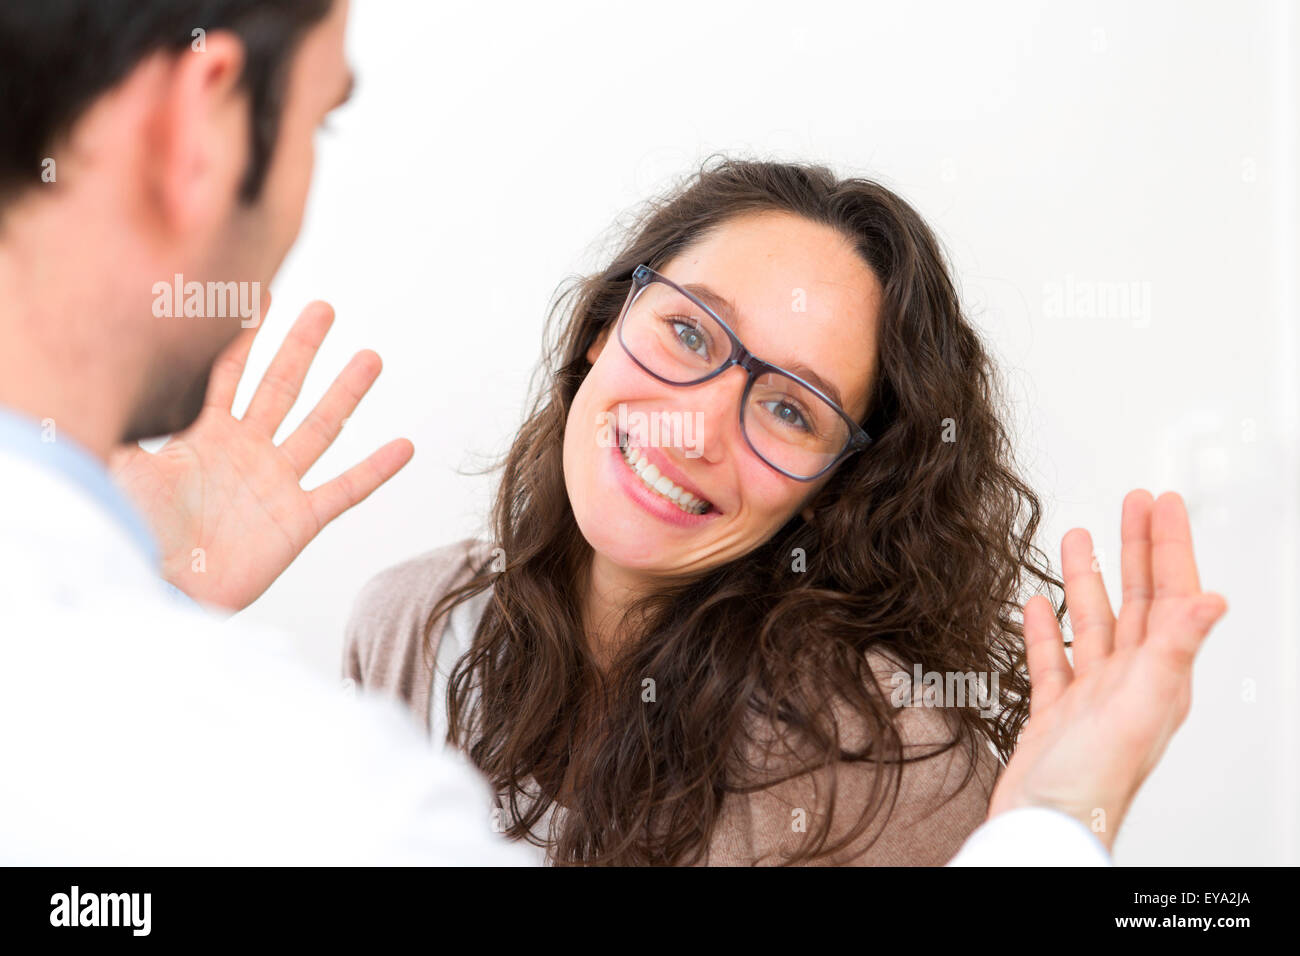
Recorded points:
(715,416)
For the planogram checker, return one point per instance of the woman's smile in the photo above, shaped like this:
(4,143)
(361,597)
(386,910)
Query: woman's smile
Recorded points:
(647,477)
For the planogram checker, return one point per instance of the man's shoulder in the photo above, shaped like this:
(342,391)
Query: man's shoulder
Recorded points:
(163,736)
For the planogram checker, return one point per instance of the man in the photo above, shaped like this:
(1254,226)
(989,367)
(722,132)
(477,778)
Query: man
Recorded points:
(154,148)
(136,729)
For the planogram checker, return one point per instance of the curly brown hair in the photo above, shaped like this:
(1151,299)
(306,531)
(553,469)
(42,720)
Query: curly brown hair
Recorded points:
(920,547)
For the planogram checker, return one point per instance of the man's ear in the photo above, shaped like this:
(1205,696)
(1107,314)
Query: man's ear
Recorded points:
(200,135)
(597,346)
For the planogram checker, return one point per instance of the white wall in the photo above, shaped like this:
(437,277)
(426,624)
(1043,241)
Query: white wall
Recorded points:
(1052,146)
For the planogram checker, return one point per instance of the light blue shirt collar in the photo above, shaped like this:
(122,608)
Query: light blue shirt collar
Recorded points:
(22,436)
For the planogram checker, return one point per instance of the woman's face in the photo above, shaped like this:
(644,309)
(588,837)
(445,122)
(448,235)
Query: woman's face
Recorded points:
(802,296)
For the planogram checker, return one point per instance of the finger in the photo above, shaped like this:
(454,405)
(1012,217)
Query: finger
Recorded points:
(229,366)
(1179,639)
(279,387)
(319,429)
(1049,669)
(355,485)
(1135,568)
(1091,619)
(1173,565)
(227,370)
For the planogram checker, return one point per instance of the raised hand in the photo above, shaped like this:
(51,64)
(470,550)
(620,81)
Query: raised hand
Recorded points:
(1097,728)
(225,501)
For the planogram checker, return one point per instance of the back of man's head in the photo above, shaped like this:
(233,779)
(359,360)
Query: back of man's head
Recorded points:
(59,56)
(155,158)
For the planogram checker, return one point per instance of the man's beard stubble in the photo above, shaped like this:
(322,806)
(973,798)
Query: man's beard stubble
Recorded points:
(171,402)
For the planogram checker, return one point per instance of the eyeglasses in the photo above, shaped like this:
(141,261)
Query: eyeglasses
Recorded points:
(788,423)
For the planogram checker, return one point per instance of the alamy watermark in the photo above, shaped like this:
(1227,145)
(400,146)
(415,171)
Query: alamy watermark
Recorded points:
(76,908)
(652,429)
(208,300)
(946,689)
(1075,298)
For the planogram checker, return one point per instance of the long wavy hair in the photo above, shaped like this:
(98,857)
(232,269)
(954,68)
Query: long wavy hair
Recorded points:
(919,547)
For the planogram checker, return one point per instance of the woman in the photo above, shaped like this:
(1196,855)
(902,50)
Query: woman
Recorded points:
(694,648)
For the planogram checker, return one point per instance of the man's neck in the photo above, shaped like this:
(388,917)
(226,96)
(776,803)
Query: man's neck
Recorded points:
(59,364)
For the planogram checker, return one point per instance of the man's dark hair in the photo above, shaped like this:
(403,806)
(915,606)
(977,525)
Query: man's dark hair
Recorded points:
(58,56)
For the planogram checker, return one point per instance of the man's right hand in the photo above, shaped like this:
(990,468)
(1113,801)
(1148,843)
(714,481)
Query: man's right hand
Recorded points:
(225,502)
(1097,729)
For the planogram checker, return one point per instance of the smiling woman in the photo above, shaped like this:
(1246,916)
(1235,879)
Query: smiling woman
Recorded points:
(689,658)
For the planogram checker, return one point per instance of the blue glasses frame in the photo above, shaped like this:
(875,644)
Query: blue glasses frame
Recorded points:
(754,366)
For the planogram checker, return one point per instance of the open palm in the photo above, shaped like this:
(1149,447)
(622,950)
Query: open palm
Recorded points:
(224,501)
(1098,727)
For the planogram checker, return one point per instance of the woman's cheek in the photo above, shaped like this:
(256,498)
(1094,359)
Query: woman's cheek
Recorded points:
(769,497)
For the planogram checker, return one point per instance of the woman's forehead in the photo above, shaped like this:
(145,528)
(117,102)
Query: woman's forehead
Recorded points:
(795,291)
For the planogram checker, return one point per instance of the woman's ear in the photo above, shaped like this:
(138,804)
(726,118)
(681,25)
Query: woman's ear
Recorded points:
(807,514)
(597,346)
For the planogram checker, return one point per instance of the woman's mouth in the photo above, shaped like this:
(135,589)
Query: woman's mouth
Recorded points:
(660,484)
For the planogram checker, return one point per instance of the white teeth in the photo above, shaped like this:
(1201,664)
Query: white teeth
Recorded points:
(661,484)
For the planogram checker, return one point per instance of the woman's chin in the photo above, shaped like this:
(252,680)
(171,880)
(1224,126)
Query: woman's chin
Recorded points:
(626,540)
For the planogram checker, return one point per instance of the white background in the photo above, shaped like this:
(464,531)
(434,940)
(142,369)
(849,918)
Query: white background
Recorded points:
(492,147)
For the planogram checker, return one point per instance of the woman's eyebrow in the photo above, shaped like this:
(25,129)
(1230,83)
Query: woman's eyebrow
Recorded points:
(718,303)
(804,372)
(727,310)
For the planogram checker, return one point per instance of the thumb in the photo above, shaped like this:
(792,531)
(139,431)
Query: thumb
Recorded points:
(1186,632)
(1050,673)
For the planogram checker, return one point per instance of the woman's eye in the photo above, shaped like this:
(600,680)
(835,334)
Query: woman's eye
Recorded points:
(691,337)
(787,414)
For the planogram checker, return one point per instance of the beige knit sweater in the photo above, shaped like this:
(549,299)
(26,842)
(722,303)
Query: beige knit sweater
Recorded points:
(385,652)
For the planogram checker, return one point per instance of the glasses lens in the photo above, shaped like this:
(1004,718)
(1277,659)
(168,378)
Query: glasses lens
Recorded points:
(791,426)
(672,336)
